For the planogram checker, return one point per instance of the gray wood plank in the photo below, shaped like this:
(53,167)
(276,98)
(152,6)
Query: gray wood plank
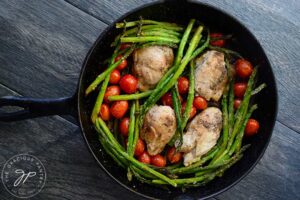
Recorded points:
(43,44)
(107,10)
(72,173)
(277,175)
(276,25)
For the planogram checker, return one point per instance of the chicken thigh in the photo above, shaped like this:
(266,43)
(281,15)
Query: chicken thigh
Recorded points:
(202,134)
(158,128)
(150,64)
(210,75)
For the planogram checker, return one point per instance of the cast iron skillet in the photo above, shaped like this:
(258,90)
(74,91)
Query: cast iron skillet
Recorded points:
(179,11)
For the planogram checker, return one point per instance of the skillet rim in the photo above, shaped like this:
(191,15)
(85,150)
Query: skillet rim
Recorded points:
(109,27)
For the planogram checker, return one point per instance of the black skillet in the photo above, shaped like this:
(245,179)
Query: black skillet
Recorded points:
(179,11)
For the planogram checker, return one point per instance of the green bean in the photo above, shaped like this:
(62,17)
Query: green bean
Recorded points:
(160,43)
(136,127)
(148,39)
(158,33)
(225,128)
(200,49)
(99,100)
(130,147)
(231,106)
(115,145)
(190,97)
(144,21)
(238,141)
(130,96)
(183,42)
(226,51)
(241,112)
(190,168)
(258,89)
(177,110)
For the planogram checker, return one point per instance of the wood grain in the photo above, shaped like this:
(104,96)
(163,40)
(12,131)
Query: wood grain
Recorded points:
(42,46)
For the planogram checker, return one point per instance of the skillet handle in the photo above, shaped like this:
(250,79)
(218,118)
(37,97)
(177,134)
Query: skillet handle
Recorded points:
(34,107)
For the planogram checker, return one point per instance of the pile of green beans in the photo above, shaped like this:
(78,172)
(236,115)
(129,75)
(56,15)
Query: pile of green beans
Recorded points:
(190,42)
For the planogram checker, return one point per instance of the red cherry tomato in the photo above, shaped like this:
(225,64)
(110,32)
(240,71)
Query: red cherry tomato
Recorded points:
(183,85)
(200,103)
(251,127)
(237,103)
(139,148)
(123,63)
(215,41)
(104,112)
(118,109)
(124,46)
(128,84)
(193,110)
(144,158)
(173,156)
(158,160)
(239,89)
(123,126)
(167,99)
(115,76)
(111,91)
(243,68)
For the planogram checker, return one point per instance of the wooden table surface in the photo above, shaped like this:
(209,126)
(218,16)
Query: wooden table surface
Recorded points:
(42,46)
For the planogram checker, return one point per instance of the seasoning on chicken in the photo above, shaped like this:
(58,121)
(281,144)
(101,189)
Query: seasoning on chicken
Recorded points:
(210,75)
(158,128)
(202,134)
(150,64)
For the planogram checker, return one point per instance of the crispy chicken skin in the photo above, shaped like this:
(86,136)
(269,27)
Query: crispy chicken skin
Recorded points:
(202,134)
(158,128)
(150,64)
(210,75)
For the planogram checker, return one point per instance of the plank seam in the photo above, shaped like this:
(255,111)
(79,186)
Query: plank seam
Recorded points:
(85,11)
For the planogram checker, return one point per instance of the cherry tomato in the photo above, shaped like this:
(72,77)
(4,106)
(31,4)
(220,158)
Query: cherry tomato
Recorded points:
(144,158)
(104,112)
(123,63)
(200,103)
(240,89)
(125,46)
(115,76)
(251,127)
(173,156)
(167,99)
(118,109)
(139,148)
(237,103)
(123,126)
(158,160)
(111,91)
(215,42)
(128,84)
(243,68)
(193,110)
(183,85)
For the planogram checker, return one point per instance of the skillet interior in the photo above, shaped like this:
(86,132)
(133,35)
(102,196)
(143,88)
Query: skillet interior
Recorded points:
(245,43)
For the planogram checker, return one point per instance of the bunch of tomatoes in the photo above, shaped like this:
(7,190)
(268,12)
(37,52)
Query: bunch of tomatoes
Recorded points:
(243,70)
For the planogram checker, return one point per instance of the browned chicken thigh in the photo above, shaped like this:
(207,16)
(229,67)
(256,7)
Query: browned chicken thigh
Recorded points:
(150,64)
(202,134)
(158,128)
(210,75)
